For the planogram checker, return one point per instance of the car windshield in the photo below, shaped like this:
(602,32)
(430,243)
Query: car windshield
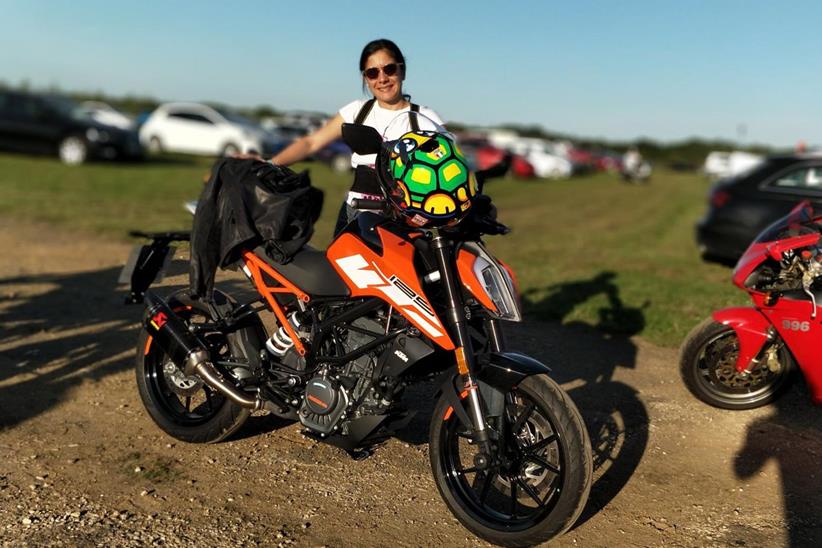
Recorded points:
(66,107)
(237,118)
(795,223)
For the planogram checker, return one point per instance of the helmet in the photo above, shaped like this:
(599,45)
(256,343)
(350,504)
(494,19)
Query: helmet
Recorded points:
(428,180)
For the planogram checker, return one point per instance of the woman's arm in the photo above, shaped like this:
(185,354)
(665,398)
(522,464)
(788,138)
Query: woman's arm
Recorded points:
(308,145)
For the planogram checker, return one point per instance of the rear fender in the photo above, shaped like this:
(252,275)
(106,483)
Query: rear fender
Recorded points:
(500,373)
(752,329)
(147,263)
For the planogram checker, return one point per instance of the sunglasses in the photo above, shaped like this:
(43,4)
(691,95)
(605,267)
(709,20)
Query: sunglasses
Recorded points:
(389,70)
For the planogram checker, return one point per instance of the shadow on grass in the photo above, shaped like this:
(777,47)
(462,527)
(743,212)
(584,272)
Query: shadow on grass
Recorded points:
(586,357)
(790,436)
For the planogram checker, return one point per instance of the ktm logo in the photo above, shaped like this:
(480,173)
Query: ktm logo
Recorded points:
(397,292)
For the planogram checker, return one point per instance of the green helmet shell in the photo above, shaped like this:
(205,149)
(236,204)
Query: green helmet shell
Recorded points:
(432,184)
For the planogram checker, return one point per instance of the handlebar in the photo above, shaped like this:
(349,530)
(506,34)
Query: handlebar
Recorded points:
(364,203)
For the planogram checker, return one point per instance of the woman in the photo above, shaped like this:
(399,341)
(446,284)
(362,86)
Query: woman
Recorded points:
(383,70)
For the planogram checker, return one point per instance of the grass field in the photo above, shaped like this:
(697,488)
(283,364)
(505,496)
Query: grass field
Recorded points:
(590,249)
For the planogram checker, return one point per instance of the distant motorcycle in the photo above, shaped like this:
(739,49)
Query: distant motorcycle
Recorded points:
(391,302)
(741,358)
(634,168)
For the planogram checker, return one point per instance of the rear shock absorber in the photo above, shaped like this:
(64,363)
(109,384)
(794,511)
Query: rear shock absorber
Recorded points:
(280,343)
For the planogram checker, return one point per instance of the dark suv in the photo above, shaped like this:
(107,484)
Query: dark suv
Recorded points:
(51,124)
(739,208)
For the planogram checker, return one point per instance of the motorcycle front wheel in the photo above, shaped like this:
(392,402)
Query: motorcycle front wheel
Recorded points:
(537,483)
(183,406)
(708,368)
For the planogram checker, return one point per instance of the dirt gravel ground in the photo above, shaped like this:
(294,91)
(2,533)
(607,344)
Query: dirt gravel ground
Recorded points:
(81,463)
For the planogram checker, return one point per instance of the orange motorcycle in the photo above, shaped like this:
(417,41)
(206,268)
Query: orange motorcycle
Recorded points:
(407,292)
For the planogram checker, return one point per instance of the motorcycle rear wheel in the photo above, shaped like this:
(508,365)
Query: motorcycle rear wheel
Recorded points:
(708,368)
(184,407)
(541,485)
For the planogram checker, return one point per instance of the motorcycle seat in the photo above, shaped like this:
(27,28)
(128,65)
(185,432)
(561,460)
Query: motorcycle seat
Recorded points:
(311,271)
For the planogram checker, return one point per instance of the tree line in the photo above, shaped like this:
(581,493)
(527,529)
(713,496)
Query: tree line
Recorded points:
(686,154)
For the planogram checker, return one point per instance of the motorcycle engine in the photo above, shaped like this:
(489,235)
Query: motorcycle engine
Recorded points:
(325,402)
(329,395)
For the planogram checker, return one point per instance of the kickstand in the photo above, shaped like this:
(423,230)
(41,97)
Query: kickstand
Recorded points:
(359,454)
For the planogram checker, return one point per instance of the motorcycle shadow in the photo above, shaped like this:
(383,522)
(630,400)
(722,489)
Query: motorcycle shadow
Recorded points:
(57,331)
(790,436)
(586,359)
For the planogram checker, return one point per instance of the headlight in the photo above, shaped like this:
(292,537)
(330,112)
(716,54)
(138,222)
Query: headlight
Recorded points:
(94,134)
(495,281)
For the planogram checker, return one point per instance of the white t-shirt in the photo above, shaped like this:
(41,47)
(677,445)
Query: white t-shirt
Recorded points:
(379,118)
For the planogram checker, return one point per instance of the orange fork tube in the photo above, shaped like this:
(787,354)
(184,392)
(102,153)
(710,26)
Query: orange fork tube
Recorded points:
(256,267)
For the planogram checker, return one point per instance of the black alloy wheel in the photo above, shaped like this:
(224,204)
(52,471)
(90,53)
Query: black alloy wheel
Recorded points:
(536,484)
(184,406)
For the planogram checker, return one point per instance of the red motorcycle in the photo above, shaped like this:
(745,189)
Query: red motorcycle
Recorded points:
(741,358)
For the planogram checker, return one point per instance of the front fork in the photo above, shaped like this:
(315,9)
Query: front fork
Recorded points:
(464,352)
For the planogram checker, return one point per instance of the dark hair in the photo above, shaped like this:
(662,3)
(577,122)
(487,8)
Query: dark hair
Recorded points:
(376,45)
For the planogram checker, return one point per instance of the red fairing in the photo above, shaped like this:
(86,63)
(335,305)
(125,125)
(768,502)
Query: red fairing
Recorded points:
(802,334)
(759,251)
(751,327)
(753,257)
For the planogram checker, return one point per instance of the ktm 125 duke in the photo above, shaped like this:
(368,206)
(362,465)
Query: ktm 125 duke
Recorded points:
(741,358)
(397,297)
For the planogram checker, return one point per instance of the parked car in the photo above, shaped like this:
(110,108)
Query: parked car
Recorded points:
(200,129)
(53,124)
(337,155)
(608,161)
(105,114)
(480,154)
(740,207)
(540,155)
(719,165)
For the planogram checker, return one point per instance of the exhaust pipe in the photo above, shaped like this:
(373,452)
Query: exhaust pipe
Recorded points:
(190,355)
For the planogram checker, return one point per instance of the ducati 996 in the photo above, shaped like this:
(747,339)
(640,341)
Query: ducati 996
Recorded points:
(743,357)
(406,292)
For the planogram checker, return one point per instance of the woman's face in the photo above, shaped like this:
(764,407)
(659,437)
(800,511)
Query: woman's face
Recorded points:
(386,89)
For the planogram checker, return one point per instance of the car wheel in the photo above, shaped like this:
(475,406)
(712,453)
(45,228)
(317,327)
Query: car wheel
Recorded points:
(73,150)
(230,150)
(341,163)
(155,146)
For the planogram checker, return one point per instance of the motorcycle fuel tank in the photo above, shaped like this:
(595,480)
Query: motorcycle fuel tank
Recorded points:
(390,276)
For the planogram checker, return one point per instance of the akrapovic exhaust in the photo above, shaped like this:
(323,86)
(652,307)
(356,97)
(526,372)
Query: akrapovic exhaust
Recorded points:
(188,353)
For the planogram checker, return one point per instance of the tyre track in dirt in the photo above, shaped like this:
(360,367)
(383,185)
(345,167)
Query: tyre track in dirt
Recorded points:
(81,463)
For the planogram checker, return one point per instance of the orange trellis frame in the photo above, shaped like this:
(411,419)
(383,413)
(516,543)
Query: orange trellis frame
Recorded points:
(255,268)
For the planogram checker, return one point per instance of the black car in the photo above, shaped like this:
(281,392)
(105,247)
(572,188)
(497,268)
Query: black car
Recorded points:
(51,124)
(739,208)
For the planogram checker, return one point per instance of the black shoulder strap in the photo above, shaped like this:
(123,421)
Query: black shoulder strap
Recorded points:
(364,110)
(415,126)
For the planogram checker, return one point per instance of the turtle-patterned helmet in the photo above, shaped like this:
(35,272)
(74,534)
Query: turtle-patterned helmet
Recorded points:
(429,180)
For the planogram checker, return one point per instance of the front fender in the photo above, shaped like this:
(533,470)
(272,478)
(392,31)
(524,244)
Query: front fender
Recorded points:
(497,375)
(505,370)
(752,329)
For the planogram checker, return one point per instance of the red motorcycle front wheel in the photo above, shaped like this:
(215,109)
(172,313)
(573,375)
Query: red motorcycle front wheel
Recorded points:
(708,368)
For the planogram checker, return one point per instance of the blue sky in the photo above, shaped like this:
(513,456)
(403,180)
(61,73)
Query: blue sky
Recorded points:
(667,70)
